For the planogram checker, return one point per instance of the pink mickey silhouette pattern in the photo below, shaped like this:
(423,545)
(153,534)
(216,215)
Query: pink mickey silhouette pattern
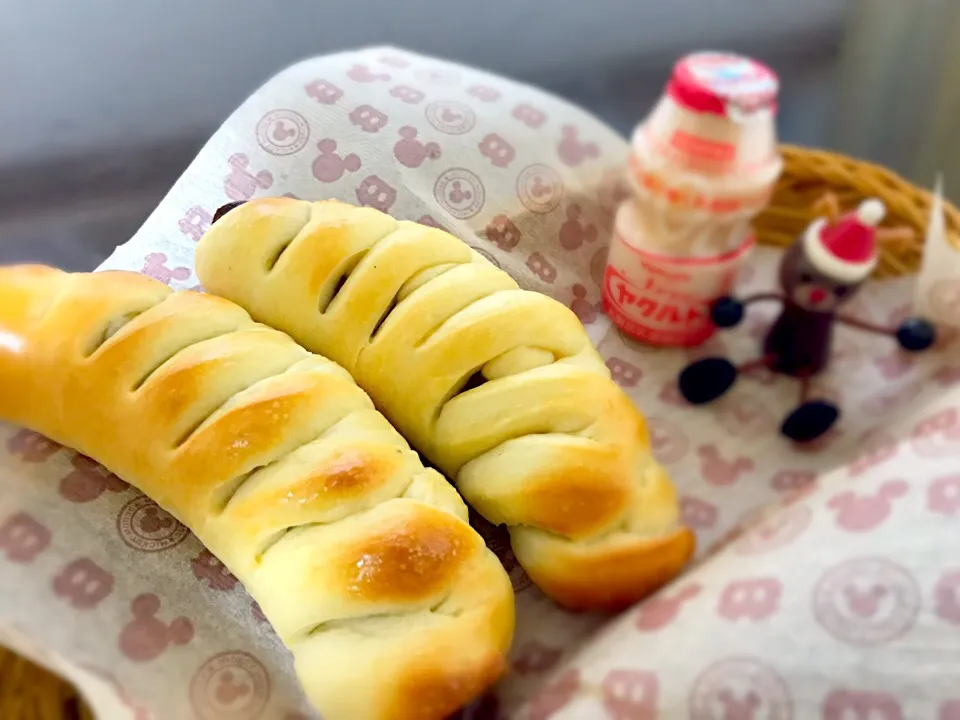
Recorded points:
(877,447)
(460,192)
(753,599)
(155,265)
(554,696)
(540,188)
(229,690)
(718,470)
(662,609)
(790,480)
(529,115)
(241,183)
(776,530)
(667,440)
(573,232)
(31,447)
(801,493)
(866,601)
(630,694)
(450,117)
(373,191)
(533,657)
(624,373)
(863,512)
(670,394)
(407,94)
(484,93)
(154,520)
(23,538)
(542,268)
(83,584)
(368,118)
(363,74)
(937,435)
(698,514)
(740,688)
(410,152)
(144,526)
(503,233)
(846,704)
(232,685)
(195,222)
(324,92)
(946,595)
(330,167)
(283,132)
(585,310)
(88,480)
(572,151)
(145,637)
(943,496)
(208,569)
(497,150)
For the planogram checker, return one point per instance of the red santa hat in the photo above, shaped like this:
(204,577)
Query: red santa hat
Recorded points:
(845,251)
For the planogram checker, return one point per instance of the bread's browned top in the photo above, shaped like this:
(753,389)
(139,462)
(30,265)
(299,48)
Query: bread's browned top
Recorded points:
(499,387)
(360,557)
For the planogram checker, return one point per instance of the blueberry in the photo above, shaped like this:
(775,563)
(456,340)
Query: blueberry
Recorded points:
(916,334)
(726,312)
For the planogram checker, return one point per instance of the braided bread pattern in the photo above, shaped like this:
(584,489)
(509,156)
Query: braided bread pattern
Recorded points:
(361,558)
(499,387)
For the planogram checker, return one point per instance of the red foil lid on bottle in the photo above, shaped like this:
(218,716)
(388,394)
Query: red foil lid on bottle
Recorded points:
(723,84)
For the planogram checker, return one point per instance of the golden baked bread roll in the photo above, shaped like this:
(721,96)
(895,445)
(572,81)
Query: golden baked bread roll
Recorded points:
(499,387)
(360,557)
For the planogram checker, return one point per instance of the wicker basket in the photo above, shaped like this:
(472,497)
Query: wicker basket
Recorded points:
(813,182)
(817,182)
(29,693)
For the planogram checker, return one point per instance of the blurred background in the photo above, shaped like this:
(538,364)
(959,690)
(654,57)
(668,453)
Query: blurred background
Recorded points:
(105,103)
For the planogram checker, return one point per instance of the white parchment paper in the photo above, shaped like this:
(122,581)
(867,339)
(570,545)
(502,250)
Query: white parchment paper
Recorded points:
(827,584)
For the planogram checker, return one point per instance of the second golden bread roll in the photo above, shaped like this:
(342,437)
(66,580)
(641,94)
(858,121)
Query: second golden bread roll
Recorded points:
(361,558)
(499,387)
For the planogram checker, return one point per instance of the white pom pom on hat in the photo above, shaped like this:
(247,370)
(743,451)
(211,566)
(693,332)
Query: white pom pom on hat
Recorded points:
(871,212)
(847,250)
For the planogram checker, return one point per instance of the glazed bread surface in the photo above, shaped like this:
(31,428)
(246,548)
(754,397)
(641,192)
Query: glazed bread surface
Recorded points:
(361,558)
(499,387)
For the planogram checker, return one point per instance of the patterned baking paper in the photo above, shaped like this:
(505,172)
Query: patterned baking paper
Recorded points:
(827,582)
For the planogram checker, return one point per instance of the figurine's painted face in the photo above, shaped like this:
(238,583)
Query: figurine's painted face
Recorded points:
(808,287)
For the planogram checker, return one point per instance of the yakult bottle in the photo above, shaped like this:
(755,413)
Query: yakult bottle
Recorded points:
(702,165)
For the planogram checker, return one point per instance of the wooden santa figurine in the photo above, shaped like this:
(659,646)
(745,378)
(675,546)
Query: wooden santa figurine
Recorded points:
(819,272)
